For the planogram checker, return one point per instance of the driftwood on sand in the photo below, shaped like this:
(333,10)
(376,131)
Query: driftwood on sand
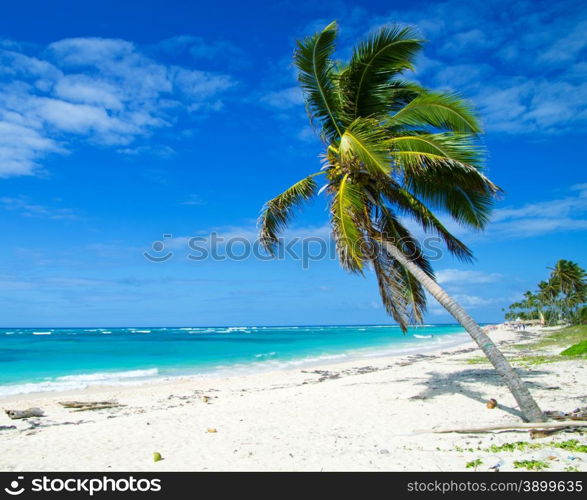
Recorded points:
(28,413)
(524,426)
(89,405)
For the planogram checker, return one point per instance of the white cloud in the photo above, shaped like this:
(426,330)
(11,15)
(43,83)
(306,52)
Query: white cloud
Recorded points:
(20,146)
(562,207)
(568,213)
(563,214)
(85,90)
(568,47)
(522,63)
(464,276)
(27,208)
(284,99)
(106,91)
(473,301)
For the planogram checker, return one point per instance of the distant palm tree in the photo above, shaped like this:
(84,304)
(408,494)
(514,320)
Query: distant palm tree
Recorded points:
(392,150)
(568,287)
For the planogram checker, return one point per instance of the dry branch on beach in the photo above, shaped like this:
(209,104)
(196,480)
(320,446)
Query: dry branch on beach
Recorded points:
(514,426)
(89,405)
(28,413)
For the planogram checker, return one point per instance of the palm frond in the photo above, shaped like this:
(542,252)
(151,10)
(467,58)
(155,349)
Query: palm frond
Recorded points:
(277,212)
(445,111)
(444,169)
(347,210)
(418,149)
(466,194)
(402,295)
(316,74)
(365,140)
(409,205)
(365,83)
(392,230)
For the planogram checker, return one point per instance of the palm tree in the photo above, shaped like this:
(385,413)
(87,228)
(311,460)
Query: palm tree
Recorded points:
(568,286)
(392,150)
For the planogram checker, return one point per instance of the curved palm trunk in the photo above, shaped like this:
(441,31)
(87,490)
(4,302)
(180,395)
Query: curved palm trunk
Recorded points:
(528,406)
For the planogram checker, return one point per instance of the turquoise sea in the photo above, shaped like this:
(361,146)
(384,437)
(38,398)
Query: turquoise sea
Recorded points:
(47,359)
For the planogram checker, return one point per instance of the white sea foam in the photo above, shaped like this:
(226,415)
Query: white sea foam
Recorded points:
(108,376)
(265,355)
(81,381)
(42,333)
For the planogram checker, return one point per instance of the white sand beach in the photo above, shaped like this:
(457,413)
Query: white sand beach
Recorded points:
(375,414)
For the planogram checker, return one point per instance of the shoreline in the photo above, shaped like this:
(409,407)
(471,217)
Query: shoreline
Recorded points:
(370,414)
(84,380)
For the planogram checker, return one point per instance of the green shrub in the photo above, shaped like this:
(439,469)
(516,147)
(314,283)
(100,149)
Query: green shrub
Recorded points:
(579,349)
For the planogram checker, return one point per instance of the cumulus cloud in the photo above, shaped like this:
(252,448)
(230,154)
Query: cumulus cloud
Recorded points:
(465,276)
(27,208)
(521,63)
(104,91)
(563,214)
(287,98)
(522,74)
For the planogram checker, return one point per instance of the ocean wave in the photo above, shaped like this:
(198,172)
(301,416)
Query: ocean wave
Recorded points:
(42,333)
(106,376)
(81,381)
(266,355)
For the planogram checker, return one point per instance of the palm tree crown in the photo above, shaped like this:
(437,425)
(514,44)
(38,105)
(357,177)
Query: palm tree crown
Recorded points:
(393,150)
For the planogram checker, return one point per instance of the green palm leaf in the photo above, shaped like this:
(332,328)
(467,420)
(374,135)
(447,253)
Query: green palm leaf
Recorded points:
(364,140)
(316,75)
(347,210)
(366,83)
(389,228)
(444,169)
(414,208)
(418,149)
(277,212)
(402,295)
(440,110)
(465,193)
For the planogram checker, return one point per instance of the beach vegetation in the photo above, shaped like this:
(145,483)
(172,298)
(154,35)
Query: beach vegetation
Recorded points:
(572,468)
(394,153)
(571,340)
(570,445)
(528,360)
(559,299)
(474,464)
(531,464)
(579,349)
(563,337)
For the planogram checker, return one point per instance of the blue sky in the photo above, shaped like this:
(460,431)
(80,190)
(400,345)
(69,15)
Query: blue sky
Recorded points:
(121,122)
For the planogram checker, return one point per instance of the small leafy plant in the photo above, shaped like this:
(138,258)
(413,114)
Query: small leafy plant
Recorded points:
(530,464)
(473,464)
